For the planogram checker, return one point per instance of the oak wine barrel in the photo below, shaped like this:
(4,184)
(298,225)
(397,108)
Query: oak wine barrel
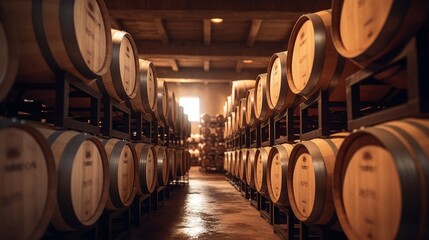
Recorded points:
(188,161)
(233,164)
(147,168)
(60,36)
(171,116)
(226,162)
(121,81)
(8,58)
(277,167)
(162,165)
(371,31)
(172,162)
(262,110)
(279,95)
(83,178)
(250,166)
(161,103)
(242,114)
(239,90)
(179,119)
(205,118)
(147,88)
(229,105)
(124,170)
(220,118)
(237,163)
(260,170)
(251,119)
(381,180)
(242,163)
(309,179)
(206,161)
(179,163)
(313,64)
(29,181)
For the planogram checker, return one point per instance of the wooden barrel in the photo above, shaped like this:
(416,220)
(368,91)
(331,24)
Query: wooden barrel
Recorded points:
(262,110)
(205,118)
(225,109)
(8,58)
(228,127)
(206,161)
(250,166)
(313,64)
(161,102)
(220,132)
(172,163)
(242,114)
(83,178)
(124,170)
(309,179)
(381,180)
(179,118)
(226,162)
(75,38)
(219,161)
(220,118)
(179,163)
(162,165)
(28,179)
(147,88)
(237,162)
(188,161)
(239,90)
(171,116)
(232,129)
(260,169)
(279,95)
(121,81)
(367,32)
(220,148)
(234,159)
(205,132)
(229,106)
(147,168)
(277,167)
(251,119)
(242,163)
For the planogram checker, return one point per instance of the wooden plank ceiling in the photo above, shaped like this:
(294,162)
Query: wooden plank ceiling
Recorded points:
(185,46)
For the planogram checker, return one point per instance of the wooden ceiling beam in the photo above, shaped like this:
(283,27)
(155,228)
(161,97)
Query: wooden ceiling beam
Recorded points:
(219,5)
(159,25)
(174,65)
(254,30)
(234,51)
(207,31)
(206,65)
(197,15)
(198,73)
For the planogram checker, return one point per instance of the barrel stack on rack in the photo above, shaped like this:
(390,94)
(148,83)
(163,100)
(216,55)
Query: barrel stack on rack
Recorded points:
(90,136)
(335,136)
(212,146)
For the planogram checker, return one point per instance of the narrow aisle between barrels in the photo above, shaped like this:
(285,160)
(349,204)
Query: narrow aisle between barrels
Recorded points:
(208,208)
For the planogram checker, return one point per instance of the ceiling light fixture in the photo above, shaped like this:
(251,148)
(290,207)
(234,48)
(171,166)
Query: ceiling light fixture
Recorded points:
(216,20)
(247,61)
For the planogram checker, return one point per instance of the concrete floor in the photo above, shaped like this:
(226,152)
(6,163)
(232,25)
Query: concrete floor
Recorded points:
(209,208)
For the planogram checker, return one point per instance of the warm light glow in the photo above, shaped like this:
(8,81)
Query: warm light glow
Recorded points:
(216,20)
(191,106)
(247,61)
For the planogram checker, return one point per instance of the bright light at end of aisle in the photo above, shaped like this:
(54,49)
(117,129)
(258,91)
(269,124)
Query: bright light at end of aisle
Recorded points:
(191,106)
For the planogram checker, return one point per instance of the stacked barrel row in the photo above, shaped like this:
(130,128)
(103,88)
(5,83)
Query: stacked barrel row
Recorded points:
(371,183)
(67,178)
(41,45)
(212,146)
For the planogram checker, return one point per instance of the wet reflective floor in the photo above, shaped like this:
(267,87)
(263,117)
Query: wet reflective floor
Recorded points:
(208,208)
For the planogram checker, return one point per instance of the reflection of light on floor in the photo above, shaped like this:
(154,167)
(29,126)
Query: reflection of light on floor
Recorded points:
(194,224)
